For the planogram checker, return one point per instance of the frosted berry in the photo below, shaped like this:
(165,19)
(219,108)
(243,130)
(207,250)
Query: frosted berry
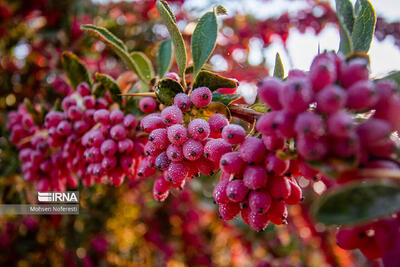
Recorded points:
(159,138)
(151,150)
(205,166)
(252,150)
(83,89)
(361,95)
(279,187)
(354,71)
(174,152)
(259,201)
(125,146)
(229,211)
(277,213)
(192,149)
(177,172)
(148,124)
(340,124)
(162,161)
(74,113)
(255,177)
(285,121)
(130,122)
(267,124)
(268,92)
(172,115)
(161,189)
(296,95)
(233,134)
(275,165)
(236,190)
(309,124)
(147,104)
(331,99)
(215,148)
(273,142)
(173,76)
(64,128)
(109,163)
(219,192)
(201,97)
(102,116)
(118,132)
(232,163)
(258,221)
(89,102)
(322,73)
(217,122)
(312,148)
(68,102)
(182,101)
(199,129)
(108,148)
(116,116)
(177,134)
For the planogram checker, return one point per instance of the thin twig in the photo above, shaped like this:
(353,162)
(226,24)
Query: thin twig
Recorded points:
(151,94)
(381,173)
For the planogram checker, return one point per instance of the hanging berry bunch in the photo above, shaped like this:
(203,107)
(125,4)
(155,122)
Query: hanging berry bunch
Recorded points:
(332,122)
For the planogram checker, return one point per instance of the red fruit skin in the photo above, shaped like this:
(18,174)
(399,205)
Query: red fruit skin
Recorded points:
(229,211)
(279,187)
(387,236)
(348,239)
(259,201)
(219,192)
(370,249)
(354,71)
(268,92)
(296,194)
(273,143)
(389,112)
(322,73)
(236,190)
(252,150)
(276,166)
(277,213)
(255,177)
(258,221)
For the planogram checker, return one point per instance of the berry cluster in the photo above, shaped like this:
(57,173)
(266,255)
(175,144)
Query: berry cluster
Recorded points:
(327,112)
(179,152)
(38,163)
(254,181)
(375,240)
(83,140)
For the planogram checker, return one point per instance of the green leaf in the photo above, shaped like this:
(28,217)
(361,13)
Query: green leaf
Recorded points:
(364,26)
(166,89)
(164,57)
(176,36)
(144,65)
(357,203)
(204,38)
(30,107)
(213,81)
(260,107)
(279,71)
(114,44)
(345,15)
(107,83)
(75,69)
(225,99)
